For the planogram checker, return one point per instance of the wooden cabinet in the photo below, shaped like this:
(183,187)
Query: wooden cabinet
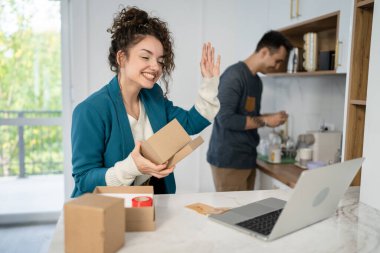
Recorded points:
(326,28)
(287,13)
(358,78)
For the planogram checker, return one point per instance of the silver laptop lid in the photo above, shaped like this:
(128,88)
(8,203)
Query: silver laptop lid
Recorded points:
(315,196)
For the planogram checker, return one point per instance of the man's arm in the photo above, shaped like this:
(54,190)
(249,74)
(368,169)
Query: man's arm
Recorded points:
(254,122)
(270,120)
(230,94)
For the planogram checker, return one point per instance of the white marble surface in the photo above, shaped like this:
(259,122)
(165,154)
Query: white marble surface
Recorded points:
(354,228)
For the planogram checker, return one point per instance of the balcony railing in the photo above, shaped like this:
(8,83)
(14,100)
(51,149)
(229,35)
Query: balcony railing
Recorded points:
(30,143)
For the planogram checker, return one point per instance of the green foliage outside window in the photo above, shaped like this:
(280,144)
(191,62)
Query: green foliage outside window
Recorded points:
(30,80)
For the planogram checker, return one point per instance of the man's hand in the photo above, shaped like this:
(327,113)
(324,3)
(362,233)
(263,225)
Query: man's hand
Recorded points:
(275,119)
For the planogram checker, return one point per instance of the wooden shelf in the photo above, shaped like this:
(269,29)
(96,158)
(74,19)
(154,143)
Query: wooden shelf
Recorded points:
(365,4)
(358,79)
(326,29)
(322,23)
(285,173)
(358,102)
(313,73)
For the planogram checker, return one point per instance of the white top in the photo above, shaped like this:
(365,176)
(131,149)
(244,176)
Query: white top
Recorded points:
(354,228)
(141,130)
(125,172)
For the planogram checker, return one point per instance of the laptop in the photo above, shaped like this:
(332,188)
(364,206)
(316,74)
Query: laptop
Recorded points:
(315,197)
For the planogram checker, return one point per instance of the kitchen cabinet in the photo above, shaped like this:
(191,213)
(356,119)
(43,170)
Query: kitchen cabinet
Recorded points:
(358,79)
(289,12)
(267,182)
(285,12)
(279,16)
(326,29)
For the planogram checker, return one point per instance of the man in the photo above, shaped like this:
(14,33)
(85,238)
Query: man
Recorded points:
(232,150)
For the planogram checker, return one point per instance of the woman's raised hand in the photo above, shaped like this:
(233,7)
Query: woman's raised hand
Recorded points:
(209,68)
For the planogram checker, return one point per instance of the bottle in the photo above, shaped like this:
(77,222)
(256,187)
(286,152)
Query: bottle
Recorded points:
(274,154)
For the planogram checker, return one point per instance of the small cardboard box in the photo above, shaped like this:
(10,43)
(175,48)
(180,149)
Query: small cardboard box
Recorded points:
(171,143)
(94,223)
(136,218)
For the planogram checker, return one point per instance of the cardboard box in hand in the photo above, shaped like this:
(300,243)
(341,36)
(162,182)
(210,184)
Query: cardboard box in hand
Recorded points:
(171,143)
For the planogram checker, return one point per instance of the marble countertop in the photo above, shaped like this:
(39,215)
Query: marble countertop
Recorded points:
(355,227)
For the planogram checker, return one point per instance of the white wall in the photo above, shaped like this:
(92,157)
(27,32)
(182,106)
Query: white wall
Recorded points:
(370,179)
(309,101)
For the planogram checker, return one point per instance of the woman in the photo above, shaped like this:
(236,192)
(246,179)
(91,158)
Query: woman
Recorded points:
(108,126)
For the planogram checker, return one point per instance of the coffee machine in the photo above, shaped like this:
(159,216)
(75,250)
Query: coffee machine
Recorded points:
(327,146)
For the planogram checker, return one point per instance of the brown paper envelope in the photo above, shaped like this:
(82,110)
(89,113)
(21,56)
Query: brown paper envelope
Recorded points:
(206,209)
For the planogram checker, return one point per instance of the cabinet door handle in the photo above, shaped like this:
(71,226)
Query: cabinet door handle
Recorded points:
(298,8)
(291,9)
(337,54)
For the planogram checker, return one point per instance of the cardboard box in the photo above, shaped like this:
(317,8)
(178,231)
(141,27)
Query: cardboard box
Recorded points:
(171,143)
(136,218)
(93,224)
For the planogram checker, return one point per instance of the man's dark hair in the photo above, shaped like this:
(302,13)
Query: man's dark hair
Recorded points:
(273,40)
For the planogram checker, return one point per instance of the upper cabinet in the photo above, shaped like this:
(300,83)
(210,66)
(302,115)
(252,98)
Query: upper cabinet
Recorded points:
(288,14)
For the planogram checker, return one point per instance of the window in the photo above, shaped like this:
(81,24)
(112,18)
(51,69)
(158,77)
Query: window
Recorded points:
(31,153)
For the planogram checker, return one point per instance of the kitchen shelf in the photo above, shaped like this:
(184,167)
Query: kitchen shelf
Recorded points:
(326,27)
(358,79)
(358,102)
(285,173)
(365,4)
(313,73)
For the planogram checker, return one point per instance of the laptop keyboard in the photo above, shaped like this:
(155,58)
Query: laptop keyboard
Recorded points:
(261,224)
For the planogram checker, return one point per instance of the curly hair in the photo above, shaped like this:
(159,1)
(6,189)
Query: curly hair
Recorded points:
(130,26)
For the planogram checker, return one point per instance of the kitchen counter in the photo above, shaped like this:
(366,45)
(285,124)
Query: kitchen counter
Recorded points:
(285,173)
(355,227)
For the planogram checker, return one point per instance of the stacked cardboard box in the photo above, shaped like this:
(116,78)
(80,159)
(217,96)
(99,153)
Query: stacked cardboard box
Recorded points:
(94,224)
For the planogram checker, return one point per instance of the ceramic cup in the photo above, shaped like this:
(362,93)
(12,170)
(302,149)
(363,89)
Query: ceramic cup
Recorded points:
(305,156)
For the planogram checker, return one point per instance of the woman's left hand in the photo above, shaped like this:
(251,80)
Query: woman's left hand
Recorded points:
(209,68)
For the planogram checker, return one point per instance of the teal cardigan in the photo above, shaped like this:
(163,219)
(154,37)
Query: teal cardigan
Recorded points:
(101,134)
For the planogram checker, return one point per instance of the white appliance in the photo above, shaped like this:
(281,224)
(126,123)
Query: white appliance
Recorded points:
(326,146)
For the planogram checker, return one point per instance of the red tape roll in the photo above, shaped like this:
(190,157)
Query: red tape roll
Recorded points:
(142,201)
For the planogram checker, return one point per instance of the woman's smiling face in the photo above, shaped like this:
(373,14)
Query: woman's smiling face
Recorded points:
(144,63)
